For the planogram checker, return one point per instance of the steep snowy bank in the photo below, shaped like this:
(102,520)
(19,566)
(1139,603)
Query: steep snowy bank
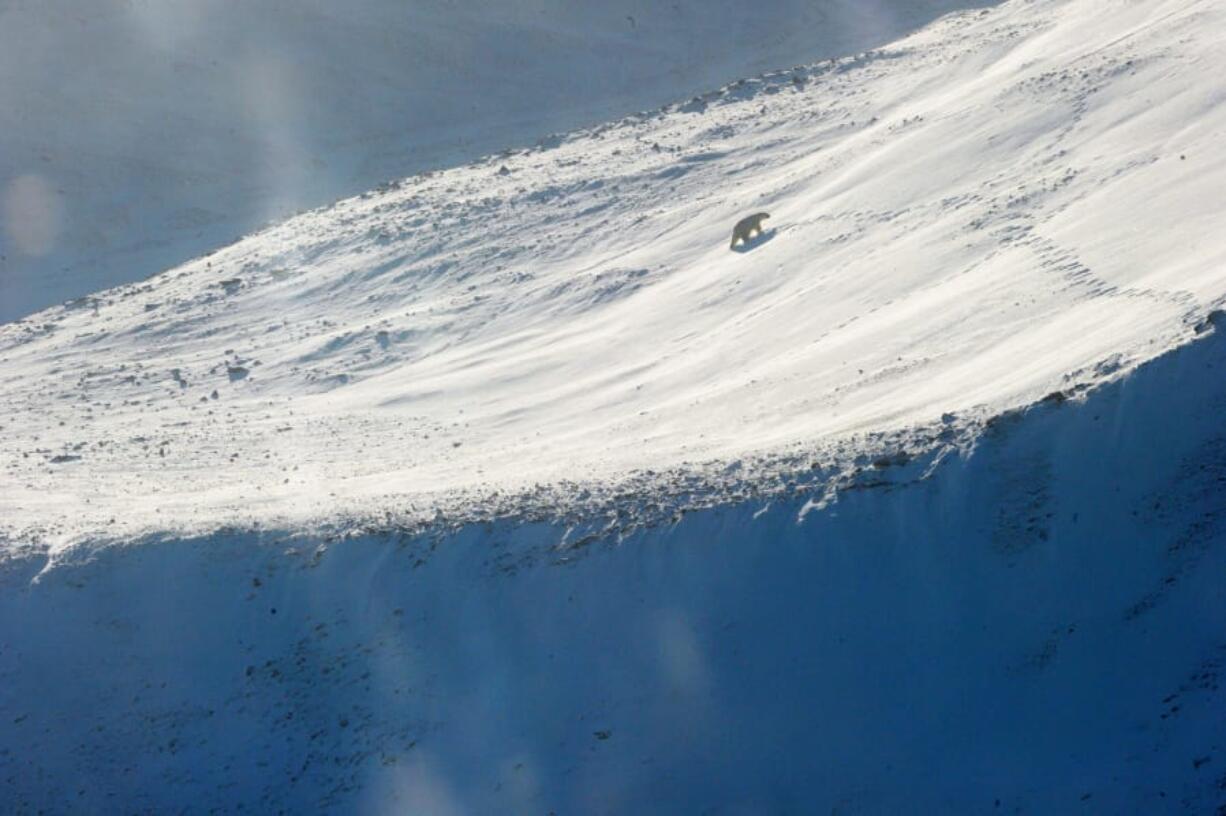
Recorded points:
(1003,204)
(137,134)
(1037,627)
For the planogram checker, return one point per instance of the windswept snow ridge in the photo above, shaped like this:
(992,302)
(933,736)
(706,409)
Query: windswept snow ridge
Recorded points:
(997,207)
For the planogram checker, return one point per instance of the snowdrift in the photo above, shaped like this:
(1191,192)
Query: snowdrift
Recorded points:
(1037,626)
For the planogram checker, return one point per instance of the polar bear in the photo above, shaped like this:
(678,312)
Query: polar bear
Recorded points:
(746,227)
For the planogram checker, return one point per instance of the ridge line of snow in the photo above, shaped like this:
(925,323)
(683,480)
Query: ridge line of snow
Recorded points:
(621,507)
(939,243)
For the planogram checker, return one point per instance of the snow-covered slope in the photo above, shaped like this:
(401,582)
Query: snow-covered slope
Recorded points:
(137,134)
(1006,204)
(512,489)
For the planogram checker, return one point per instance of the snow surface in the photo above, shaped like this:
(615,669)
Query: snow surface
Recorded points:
(510,488)
(985,212)
(1038,627)
(138,134)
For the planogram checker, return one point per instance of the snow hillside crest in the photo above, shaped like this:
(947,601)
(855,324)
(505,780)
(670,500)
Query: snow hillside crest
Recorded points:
(962,220)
